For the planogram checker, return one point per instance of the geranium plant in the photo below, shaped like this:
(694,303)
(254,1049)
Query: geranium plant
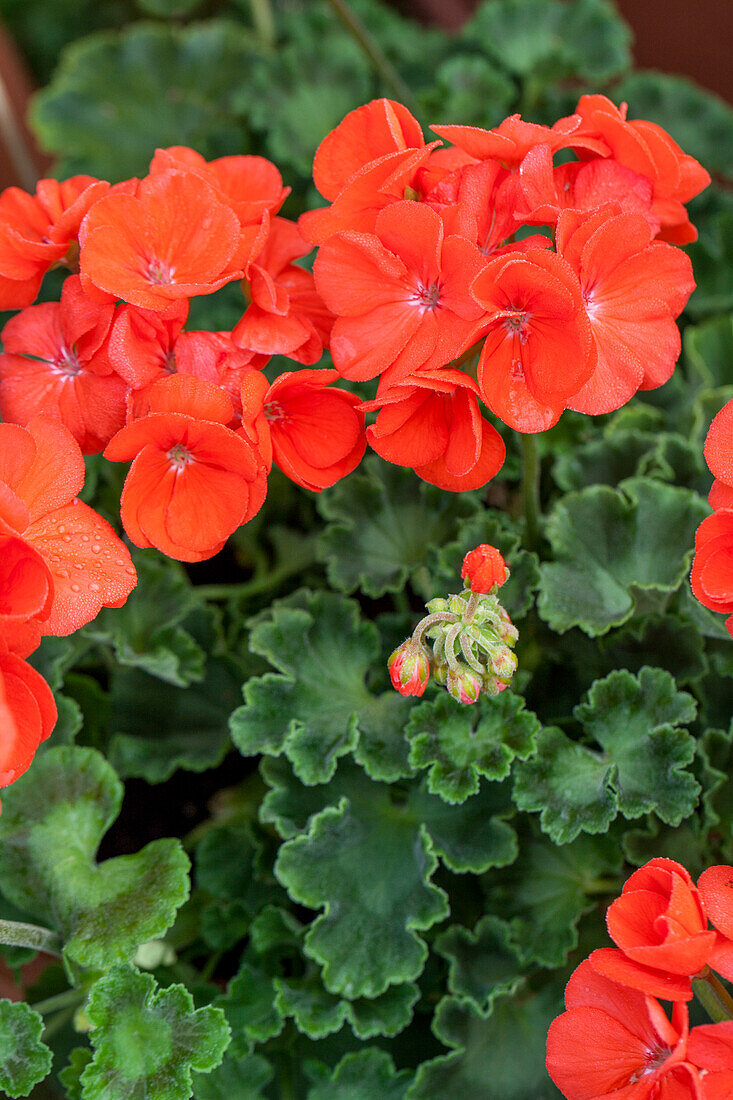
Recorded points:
(326,773)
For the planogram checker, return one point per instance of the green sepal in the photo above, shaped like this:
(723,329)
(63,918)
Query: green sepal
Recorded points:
(24,1057)
(317,707)
(147,1040)
(383,521)
(610,546)
(485,1064)
(460,743)
(367,1074)
(635,720)
(53,820)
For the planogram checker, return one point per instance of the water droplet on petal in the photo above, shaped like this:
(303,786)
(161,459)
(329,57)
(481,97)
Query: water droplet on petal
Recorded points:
(94,587)
(75,588)
(96,548)
(67,538)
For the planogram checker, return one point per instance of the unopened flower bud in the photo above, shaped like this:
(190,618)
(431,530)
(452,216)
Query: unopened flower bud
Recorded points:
(503,663)
(464,684)
(409,668)
(483,568)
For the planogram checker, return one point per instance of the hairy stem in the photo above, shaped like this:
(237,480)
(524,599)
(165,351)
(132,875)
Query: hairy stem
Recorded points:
(374,52)
(531,491)
(713,996)
(16,934)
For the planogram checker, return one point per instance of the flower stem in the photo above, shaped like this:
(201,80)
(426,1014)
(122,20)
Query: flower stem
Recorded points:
(263,21)
(374,52)
(713,996)
(67,999)
(17,934)
(531,491)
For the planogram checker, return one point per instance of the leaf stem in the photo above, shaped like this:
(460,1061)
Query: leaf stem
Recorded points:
(531,490)
(713,996)
(17,934)
(60,1000)
(253,587)
(382,65)
(263,21)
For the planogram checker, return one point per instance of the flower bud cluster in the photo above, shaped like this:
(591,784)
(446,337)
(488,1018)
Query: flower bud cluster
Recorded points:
(472,648)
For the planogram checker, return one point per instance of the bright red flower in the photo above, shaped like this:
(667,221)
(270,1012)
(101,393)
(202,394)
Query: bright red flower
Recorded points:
(26,585)
(538,350)
(409,668)
(27,715)
(712,566)
(710,1047)
(55,362)
(287,316)
(431,423)
(41,472)
(193,481)
(719,457)
(173,239)
(251,186)
(510,142)
(614,1042)
(315,433)
(483,568)
(141,343)
(647,149)
(633,289)
(38,231)
(400,295)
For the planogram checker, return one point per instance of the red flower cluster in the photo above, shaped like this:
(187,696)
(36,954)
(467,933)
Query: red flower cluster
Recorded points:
(712,568)
(111,360)
(615,1039)
(60,563)
(437,289)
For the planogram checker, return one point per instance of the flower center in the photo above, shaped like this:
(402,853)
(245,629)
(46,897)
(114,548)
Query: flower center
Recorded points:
(160,272)
(518,326)
(274,411)
(427,297)
(179,457)
(68,362)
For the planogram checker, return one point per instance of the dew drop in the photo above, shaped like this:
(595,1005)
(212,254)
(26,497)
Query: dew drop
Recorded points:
(85,538)
(67,538)
(78,565)
(130,570)
(94,587)
(62,529)
(119,561)
(75,588)
(96,548)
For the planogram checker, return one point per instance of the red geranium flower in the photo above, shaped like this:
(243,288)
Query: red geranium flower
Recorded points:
(193,481)
(55,362)
(27,715)
(712,566)
(483,568)
(719,457)
(400,295)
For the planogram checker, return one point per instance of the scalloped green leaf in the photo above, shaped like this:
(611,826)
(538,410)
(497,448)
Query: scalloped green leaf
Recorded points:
(664,456)
(237,1078)
(317,707)
(485,1064)
(149,85)
(368,1074)
(709,350)
(548,889)
(712,259)
(547,39)
(470,88)
(53,820)
(70,1075)
(147,1041)
(317,1013)
(715,749)
(250,1009)
(146,632)
(641,768)
(484,963)
(610,545)
(699,121)
(366,834)
(458,743)
(383,521)
(24,1058)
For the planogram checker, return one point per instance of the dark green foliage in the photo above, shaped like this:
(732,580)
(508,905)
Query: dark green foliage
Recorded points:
(24,1058)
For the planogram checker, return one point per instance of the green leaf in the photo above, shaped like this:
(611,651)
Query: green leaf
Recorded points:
(715,748)
(317,707)
(610,545)
(383,522)
(158,728)
(367,1074)
(24,1058)
(547,40)
(709,350)
(179,85)
(458,743)
(662,455)
(70,1075)
(237,1078)
(484,963)
(318,1013)
(469,88)
(249,1006)
(697,120)
(53,820)
(168,9)
(712,260)
(148,1040)
(641,769)
(548,889)
(366,834)
(146,633)
(499,1052)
